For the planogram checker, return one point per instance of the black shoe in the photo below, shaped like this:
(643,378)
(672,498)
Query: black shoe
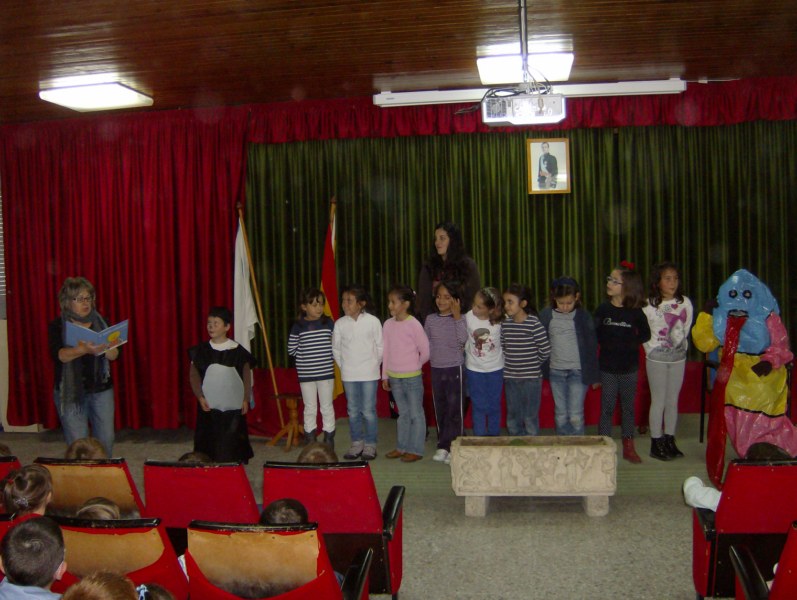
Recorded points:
(672,449)
(309,437)
(329,439)
(658,449)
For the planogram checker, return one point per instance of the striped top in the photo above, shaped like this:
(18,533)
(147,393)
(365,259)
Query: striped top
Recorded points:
(526,348)
(447,337)
(310,342)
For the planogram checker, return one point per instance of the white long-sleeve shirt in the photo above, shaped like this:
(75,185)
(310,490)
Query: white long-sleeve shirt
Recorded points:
(357,347)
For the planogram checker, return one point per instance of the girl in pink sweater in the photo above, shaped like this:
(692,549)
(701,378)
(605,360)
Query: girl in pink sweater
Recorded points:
(406,349)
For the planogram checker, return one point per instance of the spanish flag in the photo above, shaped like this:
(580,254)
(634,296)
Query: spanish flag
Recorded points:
(329,285)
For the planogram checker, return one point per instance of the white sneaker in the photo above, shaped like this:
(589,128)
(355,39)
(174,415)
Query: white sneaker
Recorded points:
(448,459)
(441,455)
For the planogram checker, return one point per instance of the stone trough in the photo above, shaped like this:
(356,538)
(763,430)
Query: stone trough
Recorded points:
(584,466)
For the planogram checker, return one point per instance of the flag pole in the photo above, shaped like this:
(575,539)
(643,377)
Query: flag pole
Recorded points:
(258,305)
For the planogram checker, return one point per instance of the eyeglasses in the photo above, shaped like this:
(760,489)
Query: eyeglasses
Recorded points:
(82,299)
(613,281)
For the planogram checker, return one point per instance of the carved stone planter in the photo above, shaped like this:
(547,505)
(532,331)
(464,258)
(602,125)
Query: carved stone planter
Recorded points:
(534,466)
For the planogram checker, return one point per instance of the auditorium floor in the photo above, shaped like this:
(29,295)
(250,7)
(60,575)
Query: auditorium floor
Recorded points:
(524,548)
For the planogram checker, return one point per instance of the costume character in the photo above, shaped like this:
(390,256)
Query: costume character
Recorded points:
(749,397)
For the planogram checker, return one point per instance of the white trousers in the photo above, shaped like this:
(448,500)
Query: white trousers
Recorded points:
(322,390)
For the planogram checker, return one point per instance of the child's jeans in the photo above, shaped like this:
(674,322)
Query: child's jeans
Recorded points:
(447,397)
(523,405)
(485,401)
(411,425)
(323,390)
(568,397)
(361,399)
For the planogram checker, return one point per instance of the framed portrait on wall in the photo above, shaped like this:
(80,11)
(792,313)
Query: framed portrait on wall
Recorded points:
(548,165)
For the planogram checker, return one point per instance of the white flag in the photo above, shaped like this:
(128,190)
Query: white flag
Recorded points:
(245,315)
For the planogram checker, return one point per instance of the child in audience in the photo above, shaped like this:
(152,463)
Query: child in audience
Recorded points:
(27,491)
(526,348)
(621,327)
(484,360)
(195,457)
(357,348)
(669,315)
(285,511)
(32,558)
(406,349)
(447,333)
(153,591)
(99,509)
(102,585)
(573,365)
(317,453)
(88,448)
(310,342)
(221,378)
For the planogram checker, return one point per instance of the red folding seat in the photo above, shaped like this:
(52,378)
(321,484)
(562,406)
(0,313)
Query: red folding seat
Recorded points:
(342,499)
(751,583)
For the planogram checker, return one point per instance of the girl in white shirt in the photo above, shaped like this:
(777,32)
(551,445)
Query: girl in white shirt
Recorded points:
(357,348)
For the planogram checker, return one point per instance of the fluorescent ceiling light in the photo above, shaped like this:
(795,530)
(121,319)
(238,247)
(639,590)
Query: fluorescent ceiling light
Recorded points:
(101,96)
(551,66)
(569,90)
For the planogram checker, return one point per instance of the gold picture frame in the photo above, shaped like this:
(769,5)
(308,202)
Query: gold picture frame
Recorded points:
(548,165)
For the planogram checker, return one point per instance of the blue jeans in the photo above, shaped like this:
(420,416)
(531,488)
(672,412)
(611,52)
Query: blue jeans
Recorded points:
(523,405)
(411,426)
(361,404)
(568,397)
(95,409)
(485,401)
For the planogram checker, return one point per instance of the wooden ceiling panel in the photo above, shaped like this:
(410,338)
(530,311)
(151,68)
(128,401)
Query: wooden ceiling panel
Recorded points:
(194,53)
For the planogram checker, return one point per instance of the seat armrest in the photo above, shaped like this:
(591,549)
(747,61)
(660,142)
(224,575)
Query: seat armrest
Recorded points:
(705,518)
(357,574)
(748,574)
(392,510)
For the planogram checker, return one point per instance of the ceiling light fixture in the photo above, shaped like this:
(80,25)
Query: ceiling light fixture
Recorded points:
(99,96)
(550,66)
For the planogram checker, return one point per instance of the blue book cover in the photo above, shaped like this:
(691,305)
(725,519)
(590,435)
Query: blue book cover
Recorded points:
(114,336)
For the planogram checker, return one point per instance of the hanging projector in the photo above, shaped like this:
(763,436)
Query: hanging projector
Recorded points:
(523,109)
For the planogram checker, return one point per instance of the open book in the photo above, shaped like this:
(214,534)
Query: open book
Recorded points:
(114,336)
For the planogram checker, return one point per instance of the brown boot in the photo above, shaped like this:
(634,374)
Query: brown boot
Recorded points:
(629,453)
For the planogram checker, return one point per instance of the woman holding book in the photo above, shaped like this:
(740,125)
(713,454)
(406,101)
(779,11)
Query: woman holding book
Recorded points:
(83,387)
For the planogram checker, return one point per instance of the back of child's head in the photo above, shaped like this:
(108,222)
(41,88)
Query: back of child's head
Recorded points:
(221,312)
(285,511)
(27,490)
(494,302)
(32,552)
(99,509)
(522,292)
(195,457)
(404,293)
(102,585)
(253,589)
(565,286)
(656,273)
(633,288)
(5,450)
(153,591)
(453,287)
(87,448)
(317,453)
(360,295)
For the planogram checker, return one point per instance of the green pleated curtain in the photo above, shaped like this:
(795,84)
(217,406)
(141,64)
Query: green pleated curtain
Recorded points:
(712,199)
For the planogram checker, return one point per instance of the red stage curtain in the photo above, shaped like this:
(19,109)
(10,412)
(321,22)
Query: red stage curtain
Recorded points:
(726,103)
(144,207)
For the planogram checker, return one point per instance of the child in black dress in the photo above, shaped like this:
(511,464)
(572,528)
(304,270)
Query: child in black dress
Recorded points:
(221,378)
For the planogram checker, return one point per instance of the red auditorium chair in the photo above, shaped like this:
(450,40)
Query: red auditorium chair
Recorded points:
(137,548)
(292,555)
(342,499)
(751,583)
(756,509)
(75,481)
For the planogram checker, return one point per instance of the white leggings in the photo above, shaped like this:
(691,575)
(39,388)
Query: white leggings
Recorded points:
(323,390)
(665,381)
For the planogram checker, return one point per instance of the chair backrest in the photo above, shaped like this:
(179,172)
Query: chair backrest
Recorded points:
(785,582)
(75,481)
(291,558)
(137,548)
(178,493)
(340,497)
(758,497)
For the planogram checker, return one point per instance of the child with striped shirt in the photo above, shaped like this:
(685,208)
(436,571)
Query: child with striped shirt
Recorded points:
(526,347)
(310,342)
